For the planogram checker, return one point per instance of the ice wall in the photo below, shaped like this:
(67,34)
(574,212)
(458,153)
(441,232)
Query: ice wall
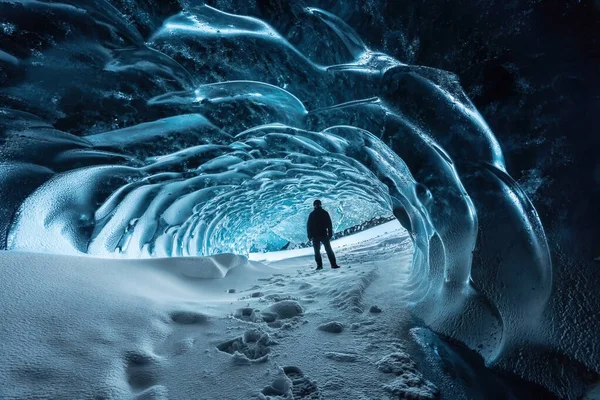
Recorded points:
(182,129)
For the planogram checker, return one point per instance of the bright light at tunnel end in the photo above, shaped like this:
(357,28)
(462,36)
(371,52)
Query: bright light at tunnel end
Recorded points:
(391,229)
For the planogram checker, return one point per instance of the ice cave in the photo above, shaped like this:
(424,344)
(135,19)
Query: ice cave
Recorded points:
(159,161)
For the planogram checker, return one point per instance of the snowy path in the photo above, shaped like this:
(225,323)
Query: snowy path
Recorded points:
(223,328)
(336,348)
(344,365)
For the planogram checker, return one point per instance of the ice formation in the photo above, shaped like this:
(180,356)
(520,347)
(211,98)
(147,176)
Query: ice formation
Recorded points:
(200,132)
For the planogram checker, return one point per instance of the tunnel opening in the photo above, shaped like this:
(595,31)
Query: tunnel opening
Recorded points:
(246,196)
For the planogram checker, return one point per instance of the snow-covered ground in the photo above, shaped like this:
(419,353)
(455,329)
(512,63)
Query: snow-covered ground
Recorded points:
(224,328)
(378,233)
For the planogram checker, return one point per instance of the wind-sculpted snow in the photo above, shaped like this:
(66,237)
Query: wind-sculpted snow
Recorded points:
(203,132)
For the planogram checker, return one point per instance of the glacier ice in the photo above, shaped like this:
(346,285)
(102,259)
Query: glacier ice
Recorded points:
(216,132)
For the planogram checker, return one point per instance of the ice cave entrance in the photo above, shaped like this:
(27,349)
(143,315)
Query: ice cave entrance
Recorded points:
(391,227)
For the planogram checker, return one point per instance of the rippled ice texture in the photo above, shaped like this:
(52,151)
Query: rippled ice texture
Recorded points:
(140,130)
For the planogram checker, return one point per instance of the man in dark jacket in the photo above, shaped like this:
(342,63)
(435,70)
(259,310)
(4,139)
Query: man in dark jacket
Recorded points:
(320,230)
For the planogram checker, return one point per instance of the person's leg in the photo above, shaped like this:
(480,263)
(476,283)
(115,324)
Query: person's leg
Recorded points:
(317,248)
(329,251)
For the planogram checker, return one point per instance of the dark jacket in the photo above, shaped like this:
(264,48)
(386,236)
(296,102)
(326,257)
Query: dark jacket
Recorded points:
(319,224)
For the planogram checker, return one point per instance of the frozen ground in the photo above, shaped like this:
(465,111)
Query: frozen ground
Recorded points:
(225,328)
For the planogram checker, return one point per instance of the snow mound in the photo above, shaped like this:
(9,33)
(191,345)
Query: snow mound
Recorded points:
(285,309)
(214,267)
(332,327)
(82,327)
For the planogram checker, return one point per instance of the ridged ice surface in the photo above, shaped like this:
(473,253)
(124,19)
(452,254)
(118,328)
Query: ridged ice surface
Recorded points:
(195,131)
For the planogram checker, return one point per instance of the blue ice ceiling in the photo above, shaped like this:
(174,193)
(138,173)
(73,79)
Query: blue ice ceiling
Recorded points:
(228,194)
(212,132)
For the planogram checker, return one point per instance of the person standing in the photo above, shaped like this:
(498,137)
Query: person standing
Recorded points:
(320,230)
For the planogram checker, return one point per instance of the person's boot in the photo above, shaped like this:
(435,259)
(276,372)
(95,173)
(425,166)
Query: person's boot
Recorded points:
(318,268)
(335,266)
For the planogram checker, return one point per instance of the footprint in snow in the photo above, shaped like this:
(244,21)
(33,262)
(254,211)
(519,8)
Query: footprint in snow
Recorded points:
(283,309)
(343,357)
(292,385)
(254,346)
(247,314)
(142,371)
(408,381)
(188,317)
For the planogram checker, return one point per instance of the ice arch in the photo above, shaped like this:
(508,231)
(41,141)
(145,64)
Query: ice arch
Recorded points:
(210,137)
(205,199)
